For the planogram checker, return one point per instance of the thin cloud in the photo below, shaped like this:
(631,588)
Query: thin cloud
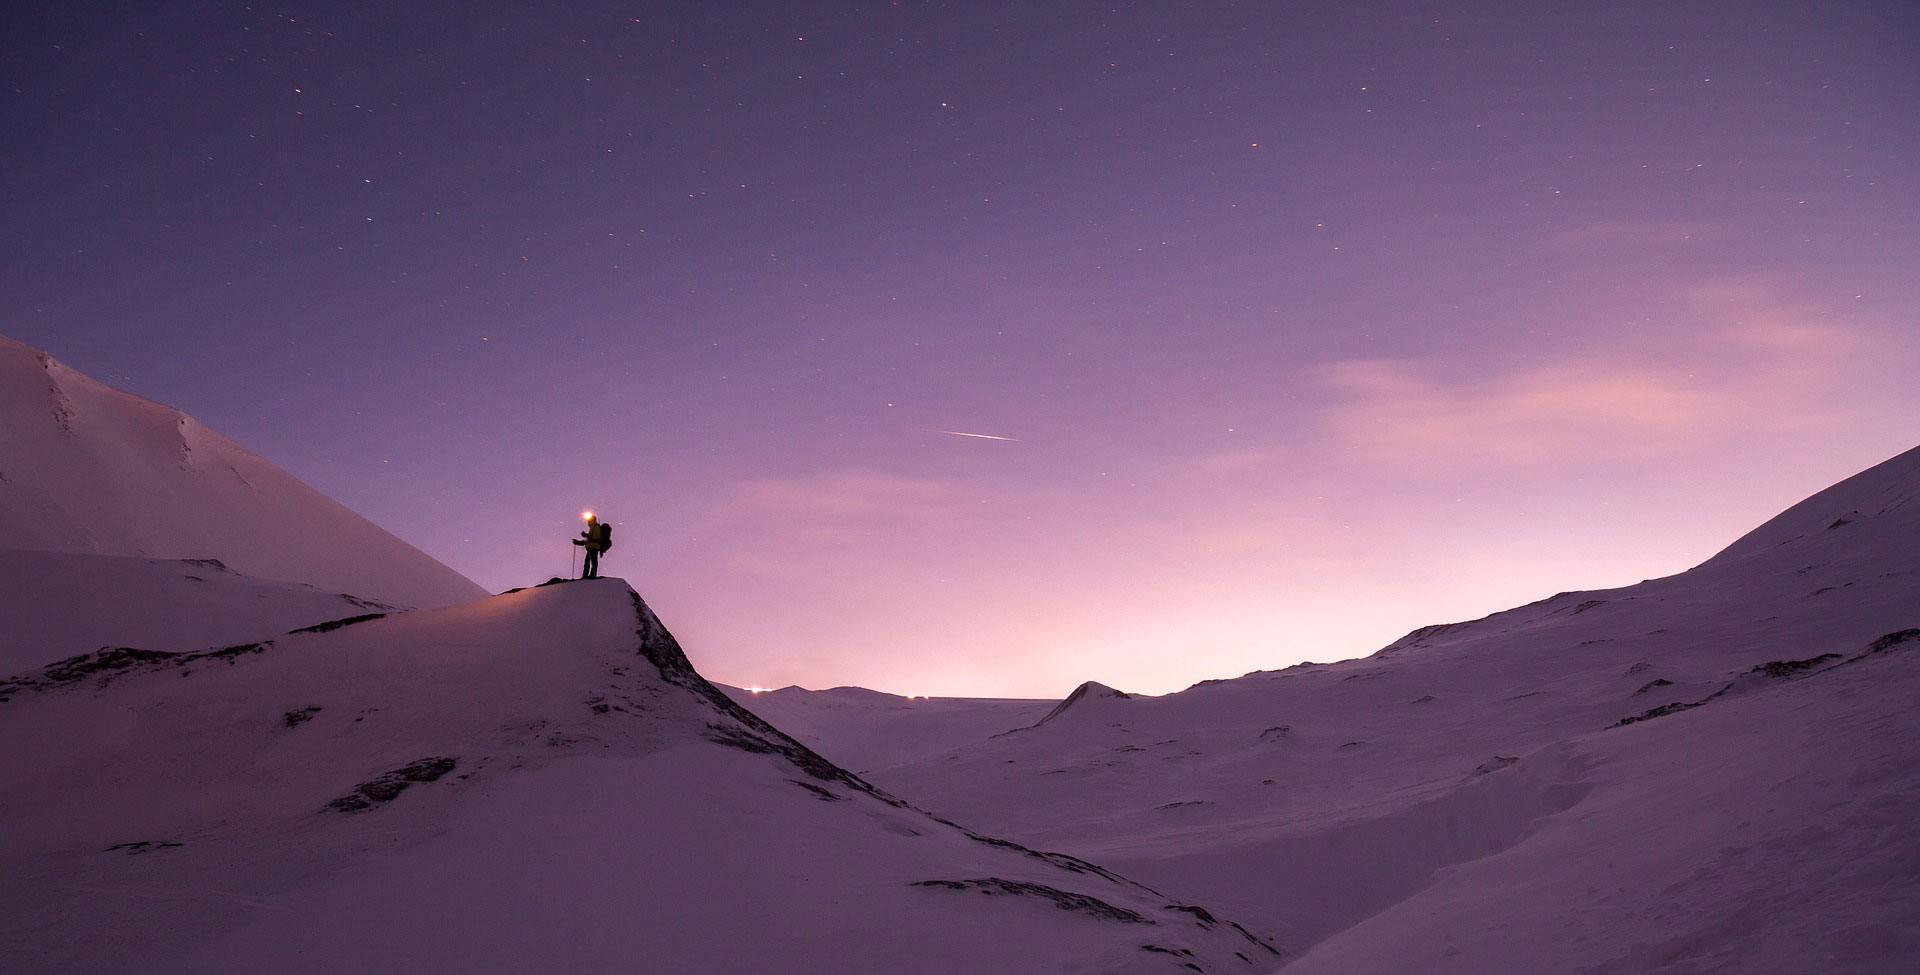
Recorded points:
(836,500)
(1756,364)
(1405,408)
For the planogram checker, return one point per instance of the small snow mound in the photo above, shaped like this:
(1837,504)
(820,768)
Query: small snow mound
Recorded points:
(1091,690)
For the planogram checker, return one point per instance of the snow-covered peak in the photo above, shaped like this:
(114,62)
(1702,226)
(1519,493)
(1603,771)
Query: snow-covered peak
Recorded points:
(1086,692)
(86,468)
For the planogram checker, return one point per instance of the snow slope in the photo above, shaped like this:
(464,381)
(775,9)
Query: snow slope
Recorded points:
(864,730)
(89,469)
(1851,507)
(60,604)
(1772,833)
(1469,798)
(537,781)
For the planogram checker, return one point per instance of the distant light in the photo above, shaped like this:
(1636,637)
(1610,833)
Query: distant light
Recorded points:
(758,690)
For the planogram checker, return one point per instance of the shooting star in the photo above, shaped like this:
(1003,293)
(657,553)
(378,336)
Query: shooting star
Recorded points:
(980,436)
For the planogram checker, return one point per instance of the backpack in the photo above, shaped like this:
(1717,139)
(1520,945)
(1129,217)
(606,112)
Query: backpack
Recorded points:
(606,536)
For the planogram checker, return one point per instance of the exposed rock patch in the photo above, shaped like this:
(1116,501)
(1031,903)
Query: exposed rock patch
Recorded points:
(1494,764)
(1897,640)
(1787,668)
(823,794)
(1201,915)
(1062,899)
(331,625)
(1778,670)
(143,846)
(1659,712)
(388,787)
(109,663)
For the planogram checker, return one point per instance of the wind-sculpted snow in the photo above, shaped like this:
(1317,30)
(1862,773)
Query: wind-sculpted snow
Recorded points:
(540,781)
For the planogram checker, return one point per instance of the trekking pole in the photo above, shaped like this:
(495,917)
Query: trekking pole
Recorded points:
(570,562)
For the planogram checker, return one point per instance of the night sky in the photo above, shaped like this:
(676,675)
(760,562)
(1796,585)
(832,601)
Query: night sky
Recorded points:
(1305,323)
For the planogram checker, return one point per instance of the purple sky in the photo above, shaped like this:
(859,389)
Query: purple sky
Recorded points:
(1310,322)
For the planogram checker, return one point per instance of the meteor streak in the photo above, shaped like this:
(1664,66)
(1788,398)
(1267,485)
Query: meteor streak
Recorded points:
(981,436)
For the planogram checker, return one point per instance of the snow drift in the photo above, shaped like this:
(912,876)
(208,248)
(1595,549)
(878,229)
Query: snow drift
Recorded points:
(85,468)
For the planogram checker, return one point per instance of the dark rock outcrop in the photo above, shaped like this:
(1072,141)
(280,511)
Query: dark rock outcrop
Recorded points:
(332,625)
(109,663)
(388,787)
(1062,899)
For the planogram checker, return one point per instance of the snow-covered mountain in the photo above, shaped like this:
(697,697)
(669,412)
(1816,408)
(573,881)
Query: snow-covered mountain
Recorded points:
(1717,771)
(538,781)
(88,469)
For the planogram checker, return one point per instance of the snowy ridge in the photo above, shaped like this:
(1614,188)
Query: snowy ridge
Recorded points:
(86,468)
(535,781)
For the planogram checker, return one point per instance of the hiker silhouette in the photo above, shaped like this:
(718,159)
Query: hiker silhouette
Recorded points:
(597,538)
